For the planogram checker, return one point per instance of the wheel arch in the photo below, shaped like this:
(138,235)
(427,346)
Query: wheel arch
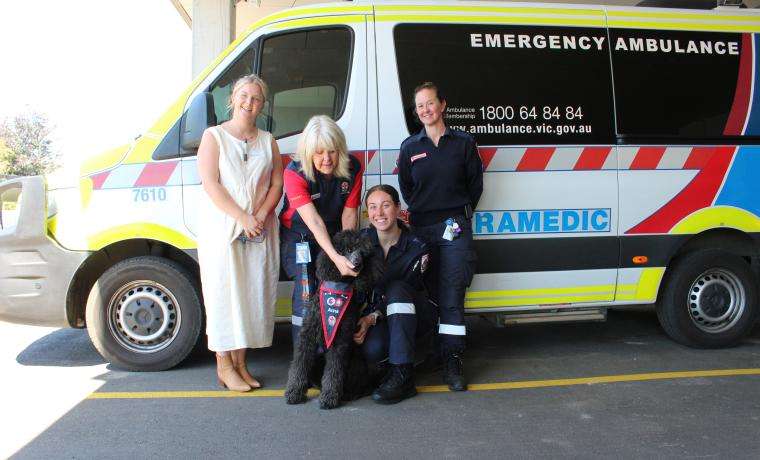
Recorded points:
(100,261)
(730,240)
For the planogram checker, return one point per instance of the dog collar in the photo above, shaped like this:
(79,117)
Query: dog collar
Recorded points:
(334,297)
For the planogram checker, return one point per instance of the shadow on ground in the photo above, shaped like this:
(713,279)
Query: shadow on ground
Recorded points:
(62,348)
(630,341)
(72,347)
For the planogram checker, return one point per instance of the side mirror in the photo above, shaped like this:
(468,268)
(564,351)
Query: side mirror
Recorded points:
(198,117)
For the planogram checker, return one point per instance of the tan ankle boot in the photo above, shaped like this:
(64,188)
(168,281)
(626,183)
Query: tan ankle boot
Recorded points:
(227,375)
(242,370)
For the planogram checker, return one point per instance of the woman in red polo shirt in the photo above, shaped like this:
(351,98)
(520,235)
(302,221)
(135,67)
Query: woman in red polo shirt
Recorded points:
(322,196)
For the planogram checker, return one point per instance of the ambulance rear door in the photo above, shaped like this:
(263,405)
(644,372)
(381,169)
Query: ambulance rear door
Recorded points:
(687,117)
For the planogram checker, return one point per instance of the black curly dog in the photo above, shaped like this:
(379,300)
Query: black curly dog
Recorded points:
(345,375)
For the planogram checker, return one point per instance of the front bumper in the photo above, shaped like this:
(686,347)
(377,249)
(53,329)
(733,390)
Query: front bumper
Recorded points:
(35,273)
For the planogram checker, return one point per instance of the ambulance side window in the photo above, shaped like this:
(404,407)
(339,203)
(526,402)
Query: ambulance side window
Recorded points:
(677,84)
(512,84)
(307,73)
(222,87)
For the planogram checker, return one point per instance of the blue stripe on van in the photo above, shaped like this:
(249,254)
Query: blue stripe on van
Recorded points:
(742,188)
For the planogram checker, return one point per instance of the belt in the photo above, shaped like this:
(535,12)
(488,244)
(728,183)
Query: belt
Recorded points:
(438,216)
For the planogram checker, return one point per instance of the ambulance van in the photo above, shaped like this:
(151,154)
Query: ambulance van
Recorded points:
(621,149)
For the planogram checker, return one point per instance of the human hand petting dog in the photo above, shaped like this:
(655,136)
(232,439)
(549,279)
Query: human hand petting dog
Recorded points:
(344,266)
(364,324)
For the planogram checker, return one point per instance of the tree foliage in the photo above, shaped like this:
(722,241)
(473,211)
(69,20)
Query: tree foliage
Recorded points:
(25,146)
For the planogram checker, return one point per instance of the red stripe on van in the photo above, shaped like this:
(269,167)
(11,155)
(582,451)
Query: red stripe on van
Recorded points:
(370,155)
(699,157)
(740,107)
(699,194)
(592,158)
(647,158)
(535,159)
(486,155)
(156,174)
(99,179)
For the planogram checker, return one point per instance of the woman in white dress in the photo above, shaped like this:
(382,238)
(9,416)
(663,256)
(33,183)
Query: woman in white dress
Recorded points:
(238,238)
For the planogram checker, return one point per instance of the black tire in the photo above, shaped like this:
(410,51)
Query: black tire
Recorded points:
(709,299)
(144,314)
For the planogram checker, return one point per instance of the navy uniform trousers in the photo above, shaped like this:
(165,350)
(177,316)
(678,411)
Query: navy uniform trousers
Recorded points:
(408,316)
(288,241)
(451,270)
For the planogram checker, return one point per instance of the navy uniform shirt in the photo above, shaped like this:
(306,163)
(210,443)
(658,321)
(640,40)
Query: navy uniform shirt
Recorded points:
(406,261)
(438,182)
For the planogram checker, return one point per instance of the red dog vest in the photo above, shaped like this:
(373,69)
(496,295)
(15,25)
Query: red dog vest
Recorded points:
(334,298)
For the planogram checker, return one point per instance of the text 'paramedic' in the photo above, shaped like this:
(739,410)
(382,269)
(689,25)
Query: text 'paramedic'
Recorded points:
(542,221)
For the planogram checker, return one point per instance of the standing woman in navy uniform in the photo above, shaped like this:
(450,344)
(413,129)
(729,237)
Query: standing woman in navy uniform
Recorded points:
(398,310)
(322,196)
(441,179)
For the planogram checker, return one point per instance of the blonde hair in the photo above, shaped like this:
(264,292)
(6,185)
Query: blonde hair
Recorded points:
(322,133)
(246,80)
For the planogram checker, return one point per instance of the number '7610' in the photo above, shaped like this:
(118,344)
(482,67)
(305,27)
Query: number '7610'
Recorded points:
(149,194)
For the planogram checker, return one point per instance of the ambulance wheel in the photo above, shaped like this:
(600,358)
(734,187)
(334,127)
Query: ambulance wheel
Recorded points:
(144,314)
(709,300)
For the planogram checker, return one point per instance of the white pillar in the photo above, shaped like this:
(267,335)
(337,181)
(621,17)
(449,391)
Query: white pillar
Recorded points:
(213,30)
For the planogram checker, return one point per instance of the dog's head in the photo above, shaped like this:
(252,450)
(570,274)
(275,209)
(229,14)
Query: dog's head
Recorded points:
(358,249)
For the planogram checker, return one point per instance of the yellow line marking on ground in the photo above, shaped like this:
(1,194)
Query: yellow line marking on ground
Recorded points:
(596,380)
(442,388)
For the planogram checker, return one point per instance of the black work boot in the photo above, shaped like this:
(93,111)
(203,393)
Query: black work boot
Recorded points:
(453,373)
(397,386)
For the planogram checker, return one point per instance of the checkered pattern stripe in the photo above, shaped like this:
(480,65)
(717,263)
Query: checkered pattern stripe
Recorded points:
(501,159)
(158,174)
(512,159)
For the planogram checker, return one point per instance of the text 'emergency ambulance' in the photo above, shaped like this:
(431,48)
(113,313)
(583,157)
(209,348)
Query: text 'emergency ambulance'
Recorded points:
(585,43)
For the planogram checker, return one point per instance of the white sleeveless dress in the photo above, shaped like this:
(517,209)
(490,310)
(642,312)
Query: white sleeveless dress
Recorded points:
(239,280)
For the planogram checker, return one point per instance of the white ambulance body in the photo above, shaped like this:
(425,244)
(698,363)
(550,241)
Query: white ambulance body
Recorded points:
(619,147)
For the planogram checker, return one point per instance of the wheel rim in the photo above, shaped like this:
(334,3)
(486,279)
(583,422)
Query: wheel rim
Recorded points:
(144,316)
(716,300)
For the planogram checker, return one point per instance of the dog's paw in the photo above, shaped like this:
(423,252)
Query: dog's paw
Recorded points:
(329,401)
(295,397)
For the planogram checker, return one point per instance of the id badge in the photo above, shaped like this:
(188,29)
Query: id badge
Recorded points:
(448,233)
(303,255)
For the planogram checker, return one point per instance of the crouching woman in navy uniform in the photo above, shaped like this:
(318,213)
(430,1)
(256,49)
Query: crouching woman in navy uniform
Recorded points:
(322,196)
(441,179)
(398,309)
